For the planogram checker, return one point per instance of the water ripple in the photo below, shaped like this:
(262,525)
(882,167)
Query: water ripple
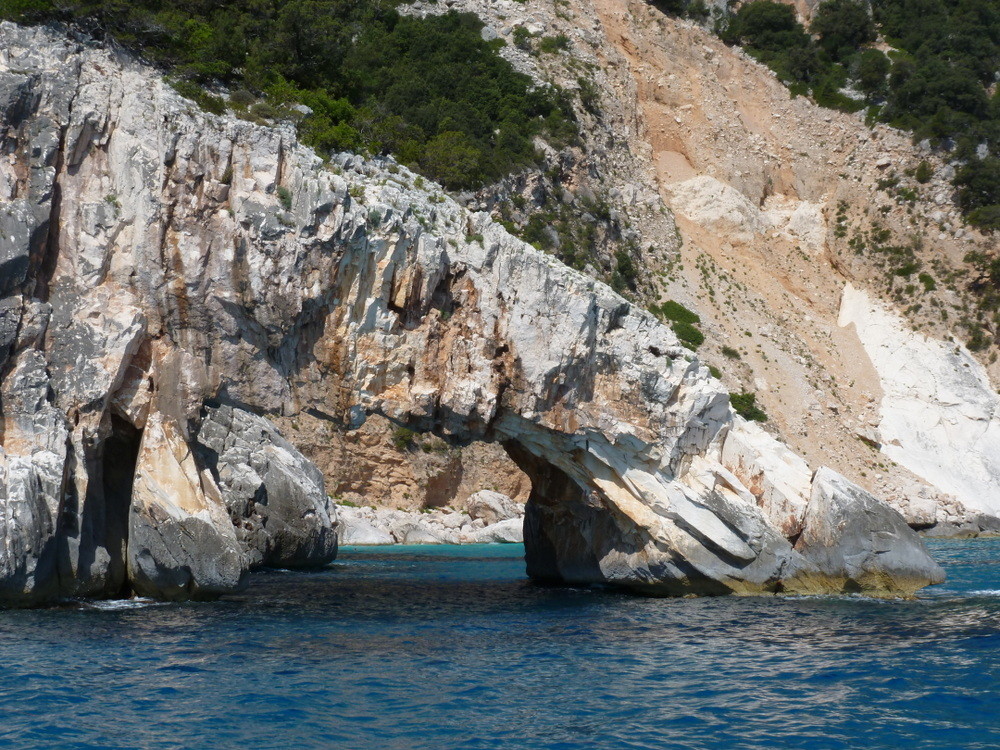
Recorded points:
(453,648)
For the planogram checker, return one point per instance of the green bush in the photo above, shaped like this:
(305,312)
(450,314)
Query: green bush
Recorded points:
(675,311)
(985,217)
(403,438)
(688,334)
(842,26)
(553,44)
(745,404)
(729,353)
(199,96)
(625,273)
(924,172)
(766,25)
(871,70)
(285,197)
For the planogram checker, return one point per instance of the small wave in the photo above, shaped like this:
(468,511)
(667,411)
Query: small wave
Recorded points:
(112,605)
(985,592)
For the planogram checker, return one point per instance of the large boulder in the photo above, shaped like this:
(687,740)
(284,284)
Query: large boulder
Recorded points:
(406,530)
(355,529)
(860,544)
(275,495)
(492,506)
(181,543)
(510,531)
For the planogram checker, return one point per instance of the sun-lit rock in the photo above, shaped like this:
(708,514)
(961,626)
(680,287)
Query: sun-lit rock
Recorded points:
(177,278)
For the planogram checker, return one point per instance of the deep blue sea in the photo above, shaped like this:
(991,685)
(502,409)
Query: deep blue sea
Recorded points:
(452,647)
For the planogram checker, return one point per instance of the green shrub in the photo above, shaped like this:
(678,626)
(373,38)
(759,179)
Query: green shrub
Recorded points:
(403,438)
(745,404)
(522,38)
(625,273)
(842,26)
(985,217)
(730,353)
(199,96)
(924,172)
(871,70)
(285,197)
(676,312)
(688,334)
(766,25)
(553,44)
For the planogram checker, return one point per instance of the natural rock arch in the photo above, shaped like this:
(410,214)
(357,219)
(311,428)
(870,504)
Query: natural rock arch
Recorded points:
(174,292)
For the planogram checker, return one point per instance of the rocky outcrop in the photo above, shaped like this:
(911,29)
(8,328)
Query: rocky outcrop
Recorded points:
(275,496)
(181,544)
(858,543)
(187,261)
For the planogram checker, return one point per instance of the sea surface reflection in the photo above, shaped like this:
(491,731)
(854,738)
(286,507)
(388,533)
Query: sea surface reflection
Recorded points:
(448,647)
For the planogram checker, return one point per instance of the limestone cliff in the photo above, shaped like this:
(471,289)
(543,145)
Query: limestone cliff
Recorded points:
(781,208)
(172,278)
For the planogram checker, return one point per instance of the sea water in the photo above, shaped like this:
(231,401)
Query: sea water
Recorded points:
(452,647)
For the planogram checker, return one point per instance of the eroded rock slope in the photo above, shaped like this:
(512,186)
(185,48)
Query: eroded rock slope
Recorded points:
(781,209)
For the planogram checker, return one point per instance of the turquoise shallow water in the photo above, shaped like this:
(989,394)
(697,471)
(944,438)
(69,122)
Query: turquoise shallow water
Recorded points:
(451,647)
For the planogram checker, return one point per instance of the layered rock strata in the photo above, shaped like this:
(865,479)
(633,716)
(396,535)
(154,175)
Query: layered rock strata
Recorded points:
(177,277)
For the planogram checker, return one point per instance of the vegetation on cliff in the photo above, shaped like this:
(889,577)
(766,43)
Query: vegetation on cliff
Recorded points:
(936,79)
(429,90)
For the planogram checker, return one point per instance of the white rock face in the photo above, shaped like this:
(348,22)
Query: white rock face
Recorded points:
(778,479)
(710,202)
(175,278)
(939,413)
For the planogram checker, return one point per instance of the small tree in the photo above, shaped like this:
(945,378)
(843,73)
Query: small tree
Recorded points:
(843,26)
(872,69)
(452,159)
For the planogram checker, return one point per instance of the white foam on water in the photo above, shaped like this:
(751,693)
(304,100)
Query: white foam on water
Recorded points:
(111,605)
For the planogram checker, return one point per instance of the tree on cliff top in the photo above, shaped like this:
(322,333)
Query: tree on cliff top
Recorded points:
(430,90)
